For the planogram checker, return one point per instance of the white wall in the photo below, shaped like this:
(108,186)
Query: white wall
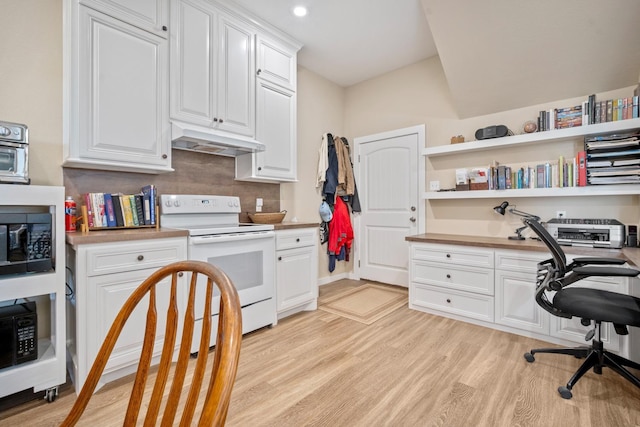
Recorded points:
(31,80)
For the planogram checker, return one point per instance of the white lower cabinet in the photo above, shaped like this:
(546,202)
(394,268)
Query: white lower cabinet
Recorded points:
(296,271)
(104,276)
(464,283)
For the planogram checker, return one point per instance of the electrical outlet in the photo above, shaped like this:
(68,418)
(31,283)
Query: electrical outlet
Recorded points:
(561,214)
(259,204)
(434,185)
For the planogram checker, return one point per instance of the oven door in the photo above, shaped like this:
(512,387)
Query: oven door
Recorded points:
(13,163)
(247,258)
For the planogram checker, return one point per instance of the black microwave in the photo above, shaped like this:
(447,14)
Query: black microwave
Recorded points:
(25,243)
(18,334)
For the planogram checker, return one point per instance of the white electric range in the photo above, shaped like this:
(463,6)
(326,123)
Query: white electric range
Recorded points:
(245,252)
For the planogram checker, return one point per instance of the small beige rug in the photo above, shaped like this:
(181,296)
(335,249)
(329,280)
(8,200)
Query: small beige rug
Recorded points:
(366,303)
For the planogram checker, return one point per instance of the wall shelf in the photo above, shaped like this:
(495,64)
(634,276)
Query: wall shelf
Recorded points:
(590,190)
(531,138)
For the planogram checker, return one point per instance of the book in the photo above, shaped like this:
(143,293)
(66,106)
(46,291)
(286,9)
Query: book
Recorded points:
(109,210)
(149,198)
(99,215)
(139,209)
(126,207)
(134,211)
(582,168)
(117,210)
(88,202)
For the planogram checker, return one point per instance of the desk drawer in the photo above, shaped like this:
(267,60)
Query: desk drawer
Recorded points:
(451,254)
(451,301)
(526,262)
(472,279)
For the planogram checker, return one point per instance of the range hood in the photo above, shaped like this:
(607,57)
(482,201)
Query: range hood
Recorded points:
(190,137)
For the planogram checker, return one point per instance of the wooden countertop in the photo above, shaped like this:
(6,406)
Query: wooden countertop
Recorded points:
(292,225)
(122,235)
(631,255)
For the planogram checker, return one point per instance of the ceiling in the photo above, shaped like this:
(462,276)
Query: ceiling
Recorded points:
(497,55)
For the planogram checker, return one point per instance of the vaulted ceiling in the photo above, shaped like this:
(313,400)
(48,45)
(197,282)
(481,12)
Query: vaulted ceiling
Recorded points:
(497,55)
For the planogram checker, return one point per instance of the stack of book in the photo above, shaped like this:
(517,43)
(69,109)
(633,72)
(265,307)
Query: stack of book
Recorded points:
(110,210)
(560,118)
(560,173)
(613,159)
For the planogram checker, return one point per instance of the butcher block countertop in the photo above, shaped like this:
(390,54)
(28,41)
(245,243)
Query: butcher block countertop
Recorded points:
(631,255)
(293,225)
(123,235)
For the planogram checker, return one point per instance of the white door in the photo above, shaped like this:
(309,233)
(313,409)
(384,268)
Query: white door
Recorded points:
(388,174)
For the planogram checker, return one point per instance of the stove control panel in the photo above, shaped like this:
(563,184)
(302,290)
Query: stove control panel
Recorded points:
(195,204)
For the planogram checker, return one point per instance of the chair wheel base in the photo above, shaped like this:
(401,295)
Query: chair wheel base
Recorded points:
(529,357)
(565,392)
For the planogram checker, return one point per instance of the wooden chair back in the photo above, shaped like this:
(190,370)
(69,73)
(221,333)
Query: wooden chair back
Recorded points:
(225,359)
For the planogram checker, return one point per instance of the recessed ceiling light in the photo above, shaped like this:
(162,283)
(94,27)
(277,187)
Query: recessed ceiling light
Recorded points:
(300,11)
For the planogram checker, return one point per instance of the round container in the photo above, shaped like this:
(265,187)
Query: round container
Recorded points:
(70,214)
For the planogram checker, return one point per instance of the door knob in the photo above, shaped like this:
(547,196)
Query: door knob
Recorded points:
(412,219)
(413,208)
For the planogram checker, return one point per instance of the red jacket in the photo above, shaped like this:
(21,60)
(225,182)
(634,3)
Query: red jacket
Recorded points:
(340,230)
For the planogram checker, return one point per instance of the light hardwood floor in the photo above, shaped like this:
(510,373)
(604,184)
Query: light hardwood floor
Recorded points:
(407,369)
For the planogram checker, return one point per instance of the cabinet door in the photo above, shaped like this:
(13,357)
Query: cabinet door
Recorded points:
(276,128)
(193,58)
(150,15)
(236,79)
(123,114)
(276,63)
(110,293)
(515,303)
(296,277)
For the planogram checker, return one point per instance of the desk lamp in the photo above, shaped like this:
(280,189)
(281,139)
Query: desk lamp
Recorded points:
(502,208)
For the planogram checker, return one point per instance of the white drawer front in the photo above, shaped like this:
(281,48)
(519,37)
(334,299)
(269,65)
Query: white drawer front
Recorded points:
(115,258)
(471,279)
(452,254)
(520,261)
(297,238)
(456,302)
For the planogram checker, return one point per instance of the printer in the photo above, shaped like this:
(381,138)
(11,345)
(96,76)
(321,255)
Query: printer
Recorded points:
(596,233)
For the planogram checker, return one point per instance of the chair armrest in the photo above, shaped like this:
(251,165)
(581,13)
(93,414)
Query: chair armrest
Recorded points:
(577,262)
(588,270)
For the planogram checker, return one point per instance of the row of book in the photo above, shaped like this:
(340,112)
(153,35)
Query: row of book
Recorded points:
(613,159)
(590,112)
(106,210)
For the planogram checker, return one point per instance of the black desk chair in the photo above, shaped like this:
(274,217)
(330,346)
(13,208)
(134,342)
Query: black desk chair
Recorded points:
(552,294)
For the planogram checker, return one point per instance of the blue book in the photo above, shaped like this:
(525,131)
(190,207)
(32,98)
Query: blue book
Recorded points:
(109,210)
(149,197)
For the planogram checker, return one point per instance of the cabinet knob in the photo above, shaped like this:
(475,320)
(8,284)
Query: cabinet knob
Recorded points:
(279,258)
(221,120)
(259,168)
(449,300)
(448,276)
(164,156)
(259,71)
(448,255)
(298,239)
(180,274)
(215,119)
(164,28)
(412,219)
(140,257)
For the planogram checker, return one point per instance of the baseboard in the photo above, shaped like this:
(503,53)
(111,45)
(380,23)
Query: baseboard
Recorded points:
(330,279)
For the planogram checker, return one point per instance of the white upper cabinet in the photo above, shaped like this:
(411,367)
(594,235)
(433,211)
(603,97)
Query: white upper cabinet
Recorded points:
(212,68)
(150,15)
(276,128)
(118,116)
(276,63)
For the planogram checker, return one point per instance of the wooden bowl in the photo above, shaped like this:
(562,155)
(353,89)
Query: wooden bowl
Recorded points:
(267,217)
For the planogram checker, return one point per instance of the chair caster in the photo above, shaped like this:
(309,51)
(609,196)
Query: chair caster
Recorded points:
(529,357)
(565,392)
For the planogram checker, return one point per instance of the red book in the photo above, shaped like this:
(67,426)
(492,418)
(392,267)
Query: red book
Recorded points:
(582,168)
(89,204)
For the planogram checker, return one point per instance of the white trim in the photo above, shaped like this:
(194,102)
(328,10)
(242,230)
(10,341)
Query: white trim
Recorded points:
(334,278)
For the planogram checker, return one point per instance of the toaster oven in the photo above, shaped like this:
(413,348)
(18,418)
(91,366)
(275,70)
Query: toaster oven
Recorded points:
(14,153)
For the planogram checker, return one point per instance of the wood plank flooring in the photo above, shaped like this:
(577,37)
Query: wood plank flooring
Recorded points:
(407,369)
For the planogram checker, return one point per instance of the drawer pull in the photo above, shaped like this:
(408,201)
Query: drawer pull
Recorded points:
(298,240)
(448,255)
(180,274)
(279,258)
(449,300)
(140,257)
(448,276)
